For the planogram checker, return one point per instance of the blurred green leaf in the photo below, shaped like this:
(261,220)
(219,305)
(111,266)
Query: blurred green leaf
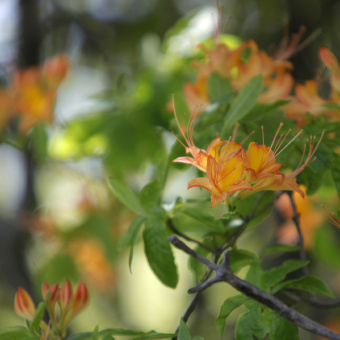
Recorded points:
(158,250)
(277,274)
(335,170)
(239,258)
(130,238)
(125,195)
(39,140)
(219,87)
(135,334)
(204,217)
(183,332)
(39,313)
(197,266)
(326,245)
(242,104)
(150,195)
(281,248)
(308,283)
(261,109)
(16,333)
(228,306)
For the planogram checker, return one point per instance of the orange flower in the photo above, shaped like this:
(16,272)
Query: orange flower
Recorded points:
(230,168)
(225,174)
(23,304)
(331,62)
(34,92)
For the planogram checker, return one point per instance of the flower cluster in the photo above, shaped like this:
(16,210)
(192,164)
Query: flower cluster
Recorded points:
(232,64)
(232,169)
(62,305)
(31,94)
(307,98)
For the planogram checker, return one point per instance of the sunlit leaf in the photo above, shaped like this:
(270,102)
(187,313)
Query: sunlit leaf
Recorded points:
(246,324)
(158,250)
(239,258)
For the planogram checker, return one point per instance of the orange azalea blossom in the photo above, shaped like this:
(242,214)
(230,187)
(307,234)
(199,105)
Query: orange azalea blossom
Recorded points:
(34,92)
(307,98)
(232,170)
(230,64)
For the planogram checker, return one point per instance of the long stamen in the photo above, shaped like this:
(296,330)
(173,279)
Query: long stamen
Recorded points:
(251,133)
(237,125)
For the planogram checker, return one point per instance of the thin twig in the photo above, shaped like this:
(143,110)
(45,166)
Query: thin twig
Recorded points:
(223,273)
(296,220)
(172,227)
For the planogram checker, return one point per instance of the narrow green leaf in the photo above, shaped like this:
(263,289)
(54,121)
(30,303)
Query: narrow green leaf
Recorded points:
(243,103)
(135,334)
(150,194)
(95,333)
(219,87)
(228,306)
(125,195)
(335,170)
(277,274)
(203,217)
(158,250)
(130,238)
(81,336)
(183,332)
(15,333)
(308,283)
(39,313)
(281,248)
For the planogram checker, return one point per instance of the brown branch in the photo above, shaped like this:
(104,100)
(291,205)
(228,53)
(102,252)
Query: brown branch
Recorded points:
(223,273)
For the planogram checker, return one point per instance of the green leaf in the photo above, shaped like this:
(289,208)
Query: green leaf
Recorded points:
(15,333)
(281,248)
(135,334)
(203,217)
(308,283)
(243,103)
(277,274)
(125,195)
(130,238)
(326,246)
(335,171)
(219,88)
(240,258)
(183,332)
(197,266)
(149,195)
(39,141)
(81,336)
(228,306)
(247,323)
(158,250)
(39,313)
(277,327)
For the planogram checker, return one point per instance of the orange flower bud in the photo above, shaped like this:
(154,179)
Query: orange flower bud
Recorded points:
(54,289)
(23,304)
(66,295)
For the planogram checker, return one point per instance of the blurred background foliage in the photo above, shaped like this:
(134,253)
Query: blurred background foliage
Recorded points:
(111,119)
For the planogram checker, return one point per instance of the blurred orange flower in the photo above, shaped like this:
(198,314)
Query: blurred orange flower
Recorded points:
(310,219)
(32,92)
(89,255)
